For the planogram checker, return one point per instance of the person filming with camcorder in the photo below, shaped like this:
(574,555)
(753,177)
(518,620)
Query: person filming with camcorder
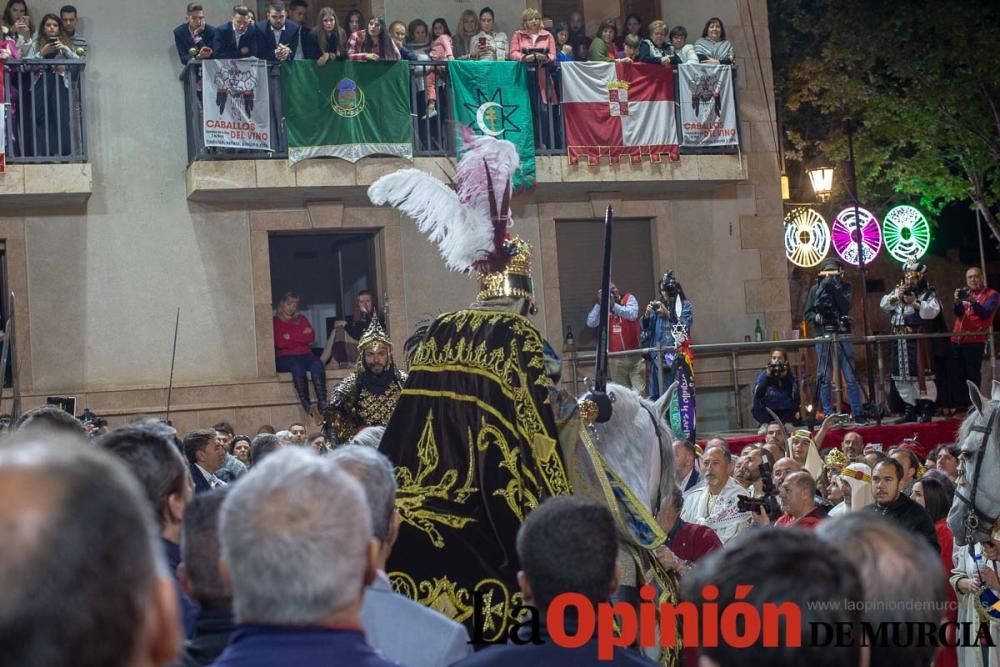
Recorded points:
(776,389)
(827,309)
(672,309)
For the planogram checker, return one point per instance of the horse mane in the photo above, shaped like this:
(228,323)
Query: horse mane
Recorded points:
(632,415)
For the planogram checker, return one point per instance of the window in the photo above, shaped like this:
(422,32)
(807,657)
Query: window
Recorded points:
(327,270)
(580,247)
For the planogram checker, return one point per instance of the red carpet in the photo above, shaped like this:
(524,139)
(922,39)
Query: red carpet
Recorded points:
(929,435)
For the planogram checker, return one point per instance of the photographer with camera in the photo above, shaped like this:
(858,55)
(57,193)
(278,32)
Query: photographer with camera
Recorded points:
(913,307)
(975,306)
(776,389)
(827,308)
(624,334)
(671,310)
(797,496)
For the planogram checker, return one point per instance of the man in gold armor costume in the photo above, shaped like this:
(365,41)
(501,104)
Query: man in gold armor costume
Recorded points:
(369,394)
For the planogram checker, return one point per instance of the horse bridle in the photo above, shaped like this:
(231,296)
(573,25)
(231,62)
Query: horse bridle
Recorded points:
(975,515)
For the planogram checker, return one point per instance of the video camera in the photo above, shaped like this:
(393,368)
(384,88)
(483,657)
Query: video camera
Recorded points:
(775,369)
(768,501)
(964,293)
(669,284)
(833,321)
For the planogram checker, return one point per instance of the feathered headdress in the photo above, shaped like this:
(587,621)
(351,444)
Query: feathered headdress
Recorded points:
(467,220)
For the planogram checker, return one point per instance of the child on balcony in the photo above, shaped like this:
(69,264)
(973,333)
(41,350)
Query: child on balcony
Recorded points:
(441,49)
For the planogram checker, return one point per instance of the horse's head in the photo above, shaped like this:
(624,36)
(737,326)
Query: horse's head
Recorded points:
(637,443)
(976,507)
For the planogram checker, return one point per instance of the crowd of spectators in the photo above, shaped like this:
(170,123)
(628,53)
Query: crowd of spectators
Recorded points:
(286,35)
(234,557)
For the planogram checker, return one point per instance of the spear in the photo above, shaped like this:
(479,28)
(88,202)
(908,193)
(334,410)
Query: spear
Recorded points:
(173,358)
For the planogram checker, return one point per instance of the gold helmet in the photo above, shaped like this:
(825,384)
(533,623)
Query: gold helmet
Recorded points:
(374,338)
(514,280)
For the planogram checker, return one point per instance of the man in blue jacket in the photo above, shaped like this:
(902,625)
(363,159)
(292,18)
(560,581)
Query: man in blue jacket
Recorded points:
(236,39)
(277,37)
(194,37)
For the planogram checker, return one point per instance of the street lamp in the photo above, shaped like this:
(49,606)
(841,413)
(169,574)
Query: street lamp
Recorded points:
(822,181)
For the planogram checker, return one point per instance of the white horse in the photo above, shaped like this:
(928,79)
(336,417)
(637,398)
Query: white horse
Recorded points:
(975,511)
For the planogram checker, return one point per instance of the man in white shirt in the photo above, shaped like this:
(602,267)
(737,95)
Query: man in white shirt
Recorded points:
(715,504)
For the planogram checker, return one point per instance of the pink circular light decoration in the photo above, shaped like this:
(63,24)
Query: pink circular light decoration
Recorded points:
(846,229)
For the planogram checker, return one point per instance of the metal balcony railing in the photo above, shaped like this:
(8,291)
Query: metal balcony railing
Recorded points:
(432,136)
(46,110)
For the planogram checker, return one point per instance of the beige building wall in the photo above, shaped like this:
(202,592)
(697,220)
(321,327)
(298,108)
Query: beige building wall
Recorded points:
(105,278)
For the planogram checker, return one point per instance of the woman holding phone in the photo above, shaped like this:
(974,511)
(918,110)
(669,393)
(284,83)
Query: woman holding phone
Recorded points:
(50,86)
(18,23)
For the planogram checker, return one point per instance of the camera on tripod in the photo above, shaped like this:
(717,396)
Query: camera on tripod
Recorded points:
(833,321)
(768,501)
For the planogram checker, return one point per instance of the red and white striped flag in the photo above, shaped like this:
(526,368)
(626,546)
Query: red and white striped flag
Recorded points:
(619,109)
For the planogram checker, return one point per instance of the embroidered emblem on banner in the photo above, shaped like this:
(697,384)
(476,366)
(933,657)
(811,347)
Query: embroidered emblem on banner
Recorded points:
(618,98)
(347,99)
(493,117)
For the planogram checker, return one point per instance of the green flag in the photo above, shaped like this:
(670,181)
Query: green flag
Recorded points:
(492,98)
(346,109)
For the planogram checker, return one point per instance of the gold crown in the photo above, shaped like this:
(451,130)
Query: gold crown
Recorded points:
(836,458)
(374,335)
(515,280)
(801,434)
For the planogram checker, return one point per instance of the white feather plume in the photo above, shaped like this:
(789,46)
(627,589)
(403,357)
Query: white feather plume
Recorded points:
(462,233)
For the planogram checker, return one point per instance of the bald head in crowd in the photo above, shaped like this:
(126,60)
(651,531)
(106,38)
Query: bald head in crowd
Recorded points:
(293,562)
(784,467)
(82,579)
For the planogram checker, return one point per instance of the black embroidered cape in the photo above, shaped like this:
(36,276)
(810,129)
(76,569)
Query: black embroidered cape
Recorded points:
(474,443)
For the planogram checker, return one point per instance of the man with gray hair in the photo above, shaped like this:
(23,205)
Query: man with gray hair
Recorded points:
(398,627)
(81,573)
(298,569)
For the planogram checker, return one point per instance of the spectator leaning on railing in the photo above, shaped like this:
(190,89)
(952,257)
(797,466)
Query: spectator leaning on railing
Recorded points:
(487,43)
(468,26)
(372,43)
(194,37)
(277,37)
(656,50)
(236,39)
(51,89)
(441,49)
(67,15)
(18,23)
(327,41)
(683,52)
(534,47)
(713,48)
(602,47)
(397,31)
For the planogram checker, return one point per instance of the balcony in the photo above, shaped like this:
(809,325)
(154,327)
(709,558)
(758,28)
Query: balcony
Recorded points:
(264,177)
(46,134)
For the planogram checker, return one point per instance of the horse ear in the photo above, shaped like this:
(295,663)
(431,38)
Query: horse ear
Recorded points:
(662,404)
(976,396)
(995,391)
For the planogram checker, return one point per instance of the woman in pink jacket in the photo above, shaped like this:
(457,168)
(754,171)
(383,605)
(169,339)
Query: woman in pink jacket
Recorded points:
(534,46)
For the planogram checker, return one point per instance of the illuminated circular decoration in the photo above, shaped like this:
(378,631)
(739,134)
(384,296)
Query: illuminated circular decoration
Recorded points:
(907,233)
(807,237)
(846,229)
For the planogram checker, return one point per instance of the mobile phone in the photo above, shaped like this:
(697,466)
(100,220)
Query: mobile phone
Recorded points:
(482,42)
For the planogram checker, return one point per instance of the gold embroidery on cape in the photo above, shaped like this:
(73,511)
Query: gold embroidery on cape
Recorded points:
(516,493)
(447,597)
(412,494)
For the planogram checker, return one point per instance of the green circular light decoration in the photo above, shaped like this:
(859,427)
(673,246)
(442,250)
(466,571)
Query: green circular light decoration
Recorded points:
(907,233)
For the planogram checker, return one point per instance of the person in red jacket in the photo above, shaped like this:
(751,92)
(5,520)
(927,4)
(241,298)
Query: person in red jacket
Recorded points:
(624,333)
(975,306)
(797,495)
(293,338)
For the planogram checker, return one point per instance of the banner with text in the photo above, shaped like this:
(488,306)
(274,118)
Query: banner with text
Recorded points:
(347,110)
(236,109)
(708,106)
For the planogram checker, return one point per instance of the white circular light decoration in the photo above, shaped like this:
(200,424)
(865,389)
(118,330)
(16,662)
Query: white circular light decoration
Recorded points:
(807,237)
(846,231)
(907,233)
